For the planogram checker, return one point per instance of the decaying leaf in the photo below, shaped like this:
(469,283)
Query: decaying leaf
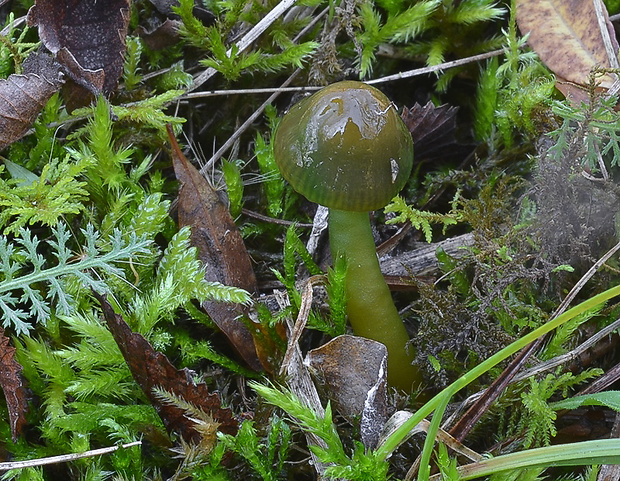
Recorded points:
(220,248)
(22,97)
(162,35)
(12,386)
(152,369)
(87,37)
(433,130)
(353,374)
(566,36)
(201,13)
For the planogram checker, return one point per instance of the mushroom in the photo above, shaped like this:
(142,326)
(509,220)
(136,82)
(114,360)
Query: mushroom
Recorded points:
(346,148)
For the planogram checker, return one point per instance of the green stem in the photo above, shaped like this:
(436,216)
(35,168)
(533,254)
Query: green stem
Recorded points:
(370,307)
(439,401)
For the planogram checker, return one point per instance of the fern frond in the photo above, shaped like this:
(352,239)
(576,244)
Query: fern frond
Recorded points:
(180,278)
(150,112)
(87,418)
(96,348)
(419,219)
(194,351)
(179,262)
(309,420)
(539,423)
(399,27)
(22,255)
(56,193)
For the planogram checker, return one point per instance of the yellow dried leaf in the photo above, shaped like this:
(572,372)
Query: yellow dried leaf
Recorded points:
(566,36)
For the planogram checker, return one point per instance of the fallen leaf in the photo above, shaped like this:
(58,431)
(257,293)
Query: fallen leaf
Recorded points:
(87,37)
(201,13)
(22,97)
(12,386)
(352,371)
(151,369)
(566,36)
(220,248)
(161,36)
(433,130)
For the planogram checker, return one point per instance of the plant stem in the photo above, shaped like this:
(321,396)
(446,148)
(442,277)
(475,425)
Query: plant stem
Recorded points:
(439,401)
(370,307)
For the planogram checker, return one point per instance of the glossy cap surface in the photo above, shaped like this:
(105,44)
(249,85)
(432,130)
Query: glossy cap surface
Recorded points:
(345,147)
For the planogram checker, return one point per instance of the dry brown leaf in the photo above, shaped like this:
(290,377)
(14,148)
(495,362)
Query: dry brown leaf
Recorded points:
(434,132)
(23,96)
(151,369)
(352,371)
(566,36)
(12,386)
(88,39)
(220,248)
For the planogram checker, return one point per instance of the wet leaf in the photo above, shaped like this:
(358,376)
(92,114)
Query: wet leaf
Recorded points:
(566,36)
(152,369)
(12,386)
(352,372)
(22,97)
(220,248)
(87,37)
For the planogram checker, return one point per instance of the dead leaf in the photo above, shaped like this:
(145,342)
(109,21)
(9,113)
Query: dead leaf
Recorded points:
(152,369)
(12,386)
(22,97)
(352,371)
(201,13)
(433,130)
(566,36)
(162,36)
(87,37)
(220,248)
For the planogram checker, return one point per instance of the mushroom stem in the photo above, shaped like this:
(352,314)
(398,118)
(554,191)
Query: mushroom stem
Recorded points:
(370,307)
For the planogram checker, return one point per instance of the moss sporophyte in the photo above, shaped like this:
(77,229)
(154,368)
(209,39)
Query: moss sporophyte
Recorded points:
(346,148)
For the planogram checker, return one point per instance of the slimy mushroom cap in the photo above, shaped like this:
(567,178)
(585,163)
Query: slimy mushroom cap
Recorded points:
(345,147)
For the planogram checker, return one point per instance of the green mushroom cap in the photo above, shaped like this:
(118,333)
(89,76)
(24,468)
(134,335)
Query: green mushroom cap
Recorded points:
(345,147)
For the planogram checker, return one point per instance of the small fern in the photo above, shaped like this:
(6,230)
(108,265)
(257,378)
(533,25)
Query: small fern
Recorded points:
(232,64)
(293,247)
(22,268)
(360,465)
(273,184)
(399,26)
(265,458)
(539,422)
(47,198)
(419,219)
(180,278)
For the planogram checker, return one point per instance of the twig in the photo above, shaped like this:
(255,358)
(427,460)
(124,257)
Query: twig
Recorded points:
(565,358)
(16,23)
(233,138)
(585,278)
(64,457)
(389,78)
(599,8)
(273,220)
(267,90)
(302,319)
(248,39)
(484,401)
(435,68)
